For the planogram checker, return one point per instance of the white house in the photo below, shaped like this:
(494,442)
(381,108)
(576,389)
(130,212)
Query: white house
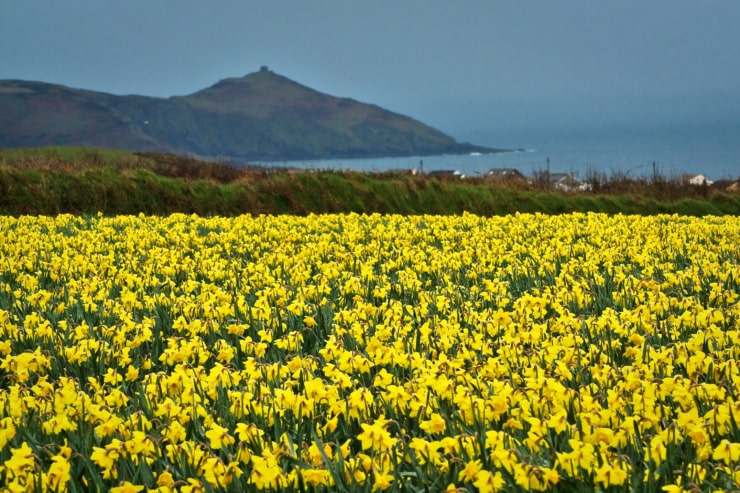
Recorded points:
(567,183)
(695,179)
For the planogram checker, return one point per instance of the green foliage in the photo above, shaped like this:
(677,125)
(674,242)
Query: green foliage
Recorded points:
(86,181)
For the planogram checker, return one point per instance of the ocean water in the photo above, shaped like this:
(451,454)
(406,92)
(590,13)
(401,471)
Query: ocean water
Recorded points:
(671,150)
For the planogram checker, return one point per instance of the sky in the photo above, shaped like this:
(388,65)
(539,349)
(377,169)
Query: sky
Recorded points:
(466,67)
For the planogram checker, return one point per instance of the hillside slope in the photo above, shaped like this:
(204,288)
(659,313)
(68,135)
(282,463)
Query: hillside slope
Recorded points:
(259,117)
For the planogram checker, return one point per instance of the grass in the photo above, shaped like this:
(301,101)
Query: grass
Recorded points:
(77,180)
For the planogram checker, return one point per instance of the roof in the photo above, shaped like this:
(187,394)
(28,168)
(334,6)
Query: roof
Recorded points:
(567,182)
(447,172)
(562,177)
(505,173)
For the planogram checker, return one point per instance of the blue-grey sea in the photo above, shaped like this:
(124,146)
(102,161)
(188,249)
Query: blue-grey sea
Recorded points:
(671,150)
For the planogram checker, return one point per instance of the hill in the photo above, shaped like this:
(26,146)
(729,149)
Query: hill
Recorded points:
(262,116)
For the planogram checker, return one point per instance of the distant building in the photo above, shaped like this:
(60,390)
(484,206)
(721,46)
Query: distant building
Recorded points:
(694,179)
(506,174)
(447,173)
(567,183)
(723,185)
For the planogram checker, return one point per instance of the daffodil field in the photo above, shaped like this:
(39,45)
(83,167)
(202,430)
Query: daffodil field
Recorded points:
(579,352)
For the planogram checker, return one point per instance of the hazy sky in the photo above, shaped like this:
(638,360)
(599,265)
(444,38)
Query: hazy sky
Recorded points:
(463,66)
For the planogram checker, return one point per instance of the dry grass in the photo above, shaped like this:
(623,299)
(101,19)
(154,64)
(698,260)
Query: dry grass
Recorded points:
(69,160)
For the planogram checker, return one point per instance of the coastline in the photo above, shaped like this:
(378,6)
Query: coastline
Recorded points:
(670,151)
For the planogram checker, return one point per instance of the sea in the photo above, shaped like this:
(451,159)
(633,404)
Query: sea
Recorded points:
(669,150)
